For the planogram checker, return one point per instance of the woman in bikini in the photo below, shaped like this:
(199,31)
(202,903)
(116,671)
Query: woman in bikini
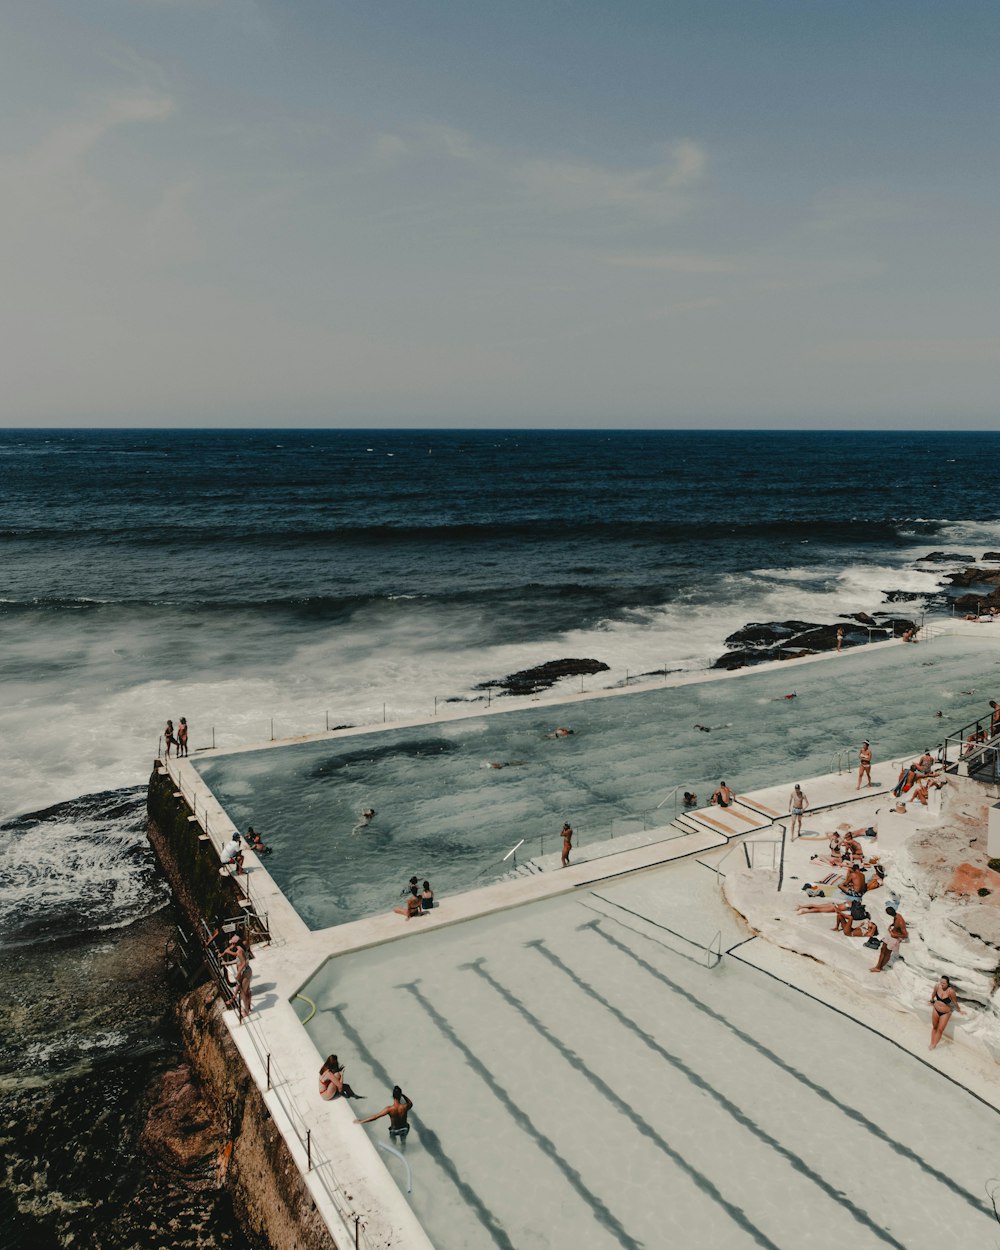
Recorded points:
(943,1002)
(168,737)
(331,1081)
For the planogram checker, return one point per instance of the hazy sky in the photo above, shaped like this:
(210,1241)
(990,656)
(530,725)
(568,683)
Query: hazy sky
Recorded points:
(521,212)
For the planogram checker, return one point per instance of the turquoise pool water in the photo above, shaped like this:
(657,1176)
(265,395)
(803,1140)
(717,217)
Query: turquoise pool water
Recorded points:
(582,1078)
(444,814)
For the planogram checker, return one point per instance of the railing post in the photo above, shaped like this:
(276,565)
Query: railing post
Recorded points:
(328,722)
(357,1232)
(213,737)
(781,865)
(309,1153)
(268,1069)
(435,705)
(383,713)
(272,728)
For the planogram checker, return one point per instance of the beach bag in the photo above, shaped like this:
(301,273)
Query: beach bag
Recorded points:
(858,911)
(873,943)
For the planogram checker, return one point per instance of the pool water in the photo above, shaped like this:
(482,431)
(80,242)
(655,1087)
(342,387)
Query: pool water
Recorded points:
(582,1077)
(444,814)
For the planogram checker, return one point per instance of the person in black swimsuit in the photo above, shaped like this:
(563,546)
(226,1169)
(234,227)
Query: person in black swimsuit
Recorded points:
(943,1002)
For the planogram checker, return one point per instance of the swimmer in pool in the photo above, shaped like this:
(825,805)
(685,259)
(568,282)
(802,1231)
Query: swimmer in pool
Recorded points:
(397,1111)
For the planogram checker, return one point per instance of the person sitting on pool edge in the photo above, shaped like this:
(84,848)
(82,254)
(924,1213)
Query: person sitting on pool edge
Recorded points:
(397,1111)
(723,796)
(414,907)
(331,1081)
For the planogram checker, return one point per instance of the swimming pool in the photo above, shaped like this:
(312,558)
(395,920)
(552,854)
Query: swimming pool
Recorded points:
(444,814)
(582,1077)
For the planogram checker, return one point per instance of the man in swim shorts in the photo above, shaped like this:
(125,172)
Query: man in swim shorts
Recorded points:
(897,933)
(797,804)
(397,1111)
(723,797)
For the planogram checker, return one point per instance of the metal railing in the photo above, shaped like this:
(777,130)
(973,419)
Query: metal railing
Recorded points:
(712,951)
(322,1169)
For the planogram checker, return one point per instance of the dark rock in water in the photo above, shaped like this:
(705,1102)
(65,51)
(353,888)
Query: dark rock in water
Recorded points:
(946,557)
(975,576)
(973,603)
(901,596)
(760,634)
(789,640)
(992,555)
(531,680)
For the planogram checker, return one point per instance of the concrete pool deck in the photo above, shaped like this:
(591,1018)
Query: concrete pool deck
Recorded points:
(348,1177)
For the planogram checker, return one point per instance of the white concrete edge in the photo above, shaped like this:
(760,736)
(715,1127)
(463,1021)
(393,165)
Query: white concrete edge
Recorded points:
(886,1016)
(556,699)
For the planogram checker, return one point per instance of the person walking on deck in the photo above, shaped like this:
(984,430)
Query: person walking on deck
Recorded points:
(864,764)
(567,846)
(797,804)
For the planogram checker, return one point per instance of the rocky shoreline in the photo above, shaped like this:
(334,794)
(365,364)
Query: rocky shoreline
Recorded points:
(760,641)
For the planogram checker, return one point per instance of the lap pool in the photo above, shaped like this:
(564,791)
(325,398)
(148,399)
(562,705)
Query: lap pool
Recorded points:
(582,1077)
(444,814)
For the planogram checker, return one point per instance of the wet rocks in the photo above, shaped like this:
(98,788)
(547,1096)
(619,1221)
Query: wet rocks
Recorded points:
(946,557)
(790,640)
(181,1133)
(542,676)
(993,556)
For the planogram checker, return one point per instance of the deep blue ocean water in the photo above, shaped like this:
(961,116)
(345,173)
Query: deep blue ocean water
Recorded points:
(262,581)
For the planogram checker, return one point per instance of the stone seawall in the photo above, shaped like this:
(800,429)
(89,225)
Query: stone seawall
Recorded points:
(209,1110)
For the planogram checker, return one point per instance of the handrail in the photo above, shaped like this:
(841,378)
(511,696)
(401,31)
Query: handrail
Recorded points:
(513,851)
(279,1085)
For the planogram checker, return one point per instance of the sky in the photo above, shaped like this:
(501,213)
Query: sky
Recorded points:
(563,213)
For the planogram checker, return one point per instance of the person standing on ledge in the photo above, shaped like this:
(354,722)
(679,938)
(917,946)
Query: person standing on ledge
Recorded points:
(840,638)
(567,846)
(897,933)
(797,804)
(168,737)
(864,764)
(397,1111)
(182,737)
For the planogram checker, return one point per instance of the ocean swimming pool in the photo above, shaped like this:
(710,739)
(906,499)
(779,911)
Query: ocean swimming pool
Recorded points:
(581,1076)
(444,814)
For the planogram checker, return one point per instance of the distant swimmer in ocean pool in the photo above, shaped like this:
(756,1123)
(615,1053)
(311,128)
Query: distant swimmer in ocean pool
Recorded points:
(707,729)
(690,799)
(561,732)
(367,816)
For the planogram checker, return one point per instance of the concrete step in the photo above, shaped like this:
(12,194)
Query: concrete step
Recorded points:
(731,822)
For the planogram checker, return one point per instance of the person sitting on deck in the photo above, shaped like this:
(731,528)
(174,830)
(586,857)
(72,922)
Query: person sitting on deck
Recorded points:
(723,796)
(907,776)
(331,1081)
(232,854)
(414,907)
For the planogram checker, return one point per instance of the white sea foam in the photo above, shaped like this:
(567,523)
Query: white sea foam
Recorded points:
(85,703)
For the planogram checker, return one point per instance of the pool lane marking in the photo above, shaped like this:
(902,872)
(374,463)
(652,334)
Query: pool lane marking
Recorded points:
(429,1141)
(854,1020)
(544,1143)
(701,1181)
(899,1147)
(795,1161)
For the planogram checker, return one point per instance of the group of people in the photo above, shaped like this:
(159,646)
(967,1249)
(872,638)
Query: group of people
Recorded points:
(232,852)
(177,738)
(418,900)
(332,1085)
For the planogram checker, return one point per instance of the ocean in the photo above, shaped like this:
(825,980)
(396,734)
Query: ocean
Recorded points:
(267,583)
